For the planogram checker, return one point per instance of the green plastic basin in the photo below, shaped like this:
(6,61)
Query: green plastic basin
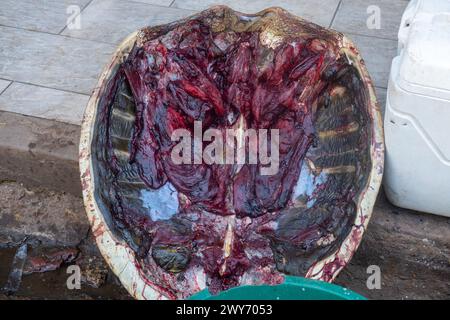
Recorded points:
(293,288)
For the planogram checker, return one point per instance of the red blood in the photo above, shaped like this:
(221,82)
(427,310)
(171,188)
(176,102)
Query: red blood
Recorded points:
(187,76)
(195,80)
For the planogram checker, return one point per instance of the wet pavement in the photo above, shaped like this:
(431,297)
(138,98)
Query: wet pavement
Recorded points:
(411,249)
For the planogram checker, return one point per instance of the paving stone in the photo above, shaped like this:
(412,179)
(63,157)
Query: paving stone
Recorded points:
(352,17)
(320,12)
(44,103)
(378,54)
(112,20)
(47,16)
(164,3)
(51,60)
(3,85)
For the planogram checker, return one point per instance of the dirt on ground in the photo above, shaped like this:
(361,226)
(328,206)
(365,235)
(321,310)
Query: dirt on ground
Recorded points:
(411,250)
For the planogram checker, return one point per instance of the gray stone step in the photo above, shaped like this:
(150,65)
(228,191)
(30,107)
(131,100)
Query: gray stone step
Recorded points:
(39,152)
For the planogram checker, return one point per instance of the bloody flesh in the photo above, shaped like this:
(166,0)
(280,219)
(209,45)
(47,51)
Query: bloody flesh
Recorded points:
(195,80)
(235,224)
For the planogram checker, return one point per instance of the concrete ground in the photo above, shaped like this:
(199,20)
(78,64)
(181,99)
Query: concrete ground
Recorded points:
(48,69)
(411,249)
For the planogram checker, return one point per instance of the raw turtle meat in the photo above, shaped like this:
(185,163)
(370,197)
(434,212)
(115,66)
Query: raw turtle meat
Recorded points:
(169,230)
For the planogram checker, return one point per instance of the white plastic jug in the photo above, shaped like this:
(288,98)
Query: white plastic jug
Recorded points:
(417,116)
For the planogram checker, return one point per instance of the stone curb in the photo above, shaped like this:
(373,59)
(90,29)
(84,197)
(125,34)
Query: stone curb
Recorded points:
(406,245)
(39,152)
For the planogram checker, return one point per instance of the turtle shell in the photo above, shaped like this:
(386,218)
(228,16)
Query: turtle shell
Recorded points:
(169,230)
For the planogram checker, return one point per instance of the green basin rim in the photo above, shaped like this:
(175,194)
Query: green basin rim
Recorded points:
(293,288)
